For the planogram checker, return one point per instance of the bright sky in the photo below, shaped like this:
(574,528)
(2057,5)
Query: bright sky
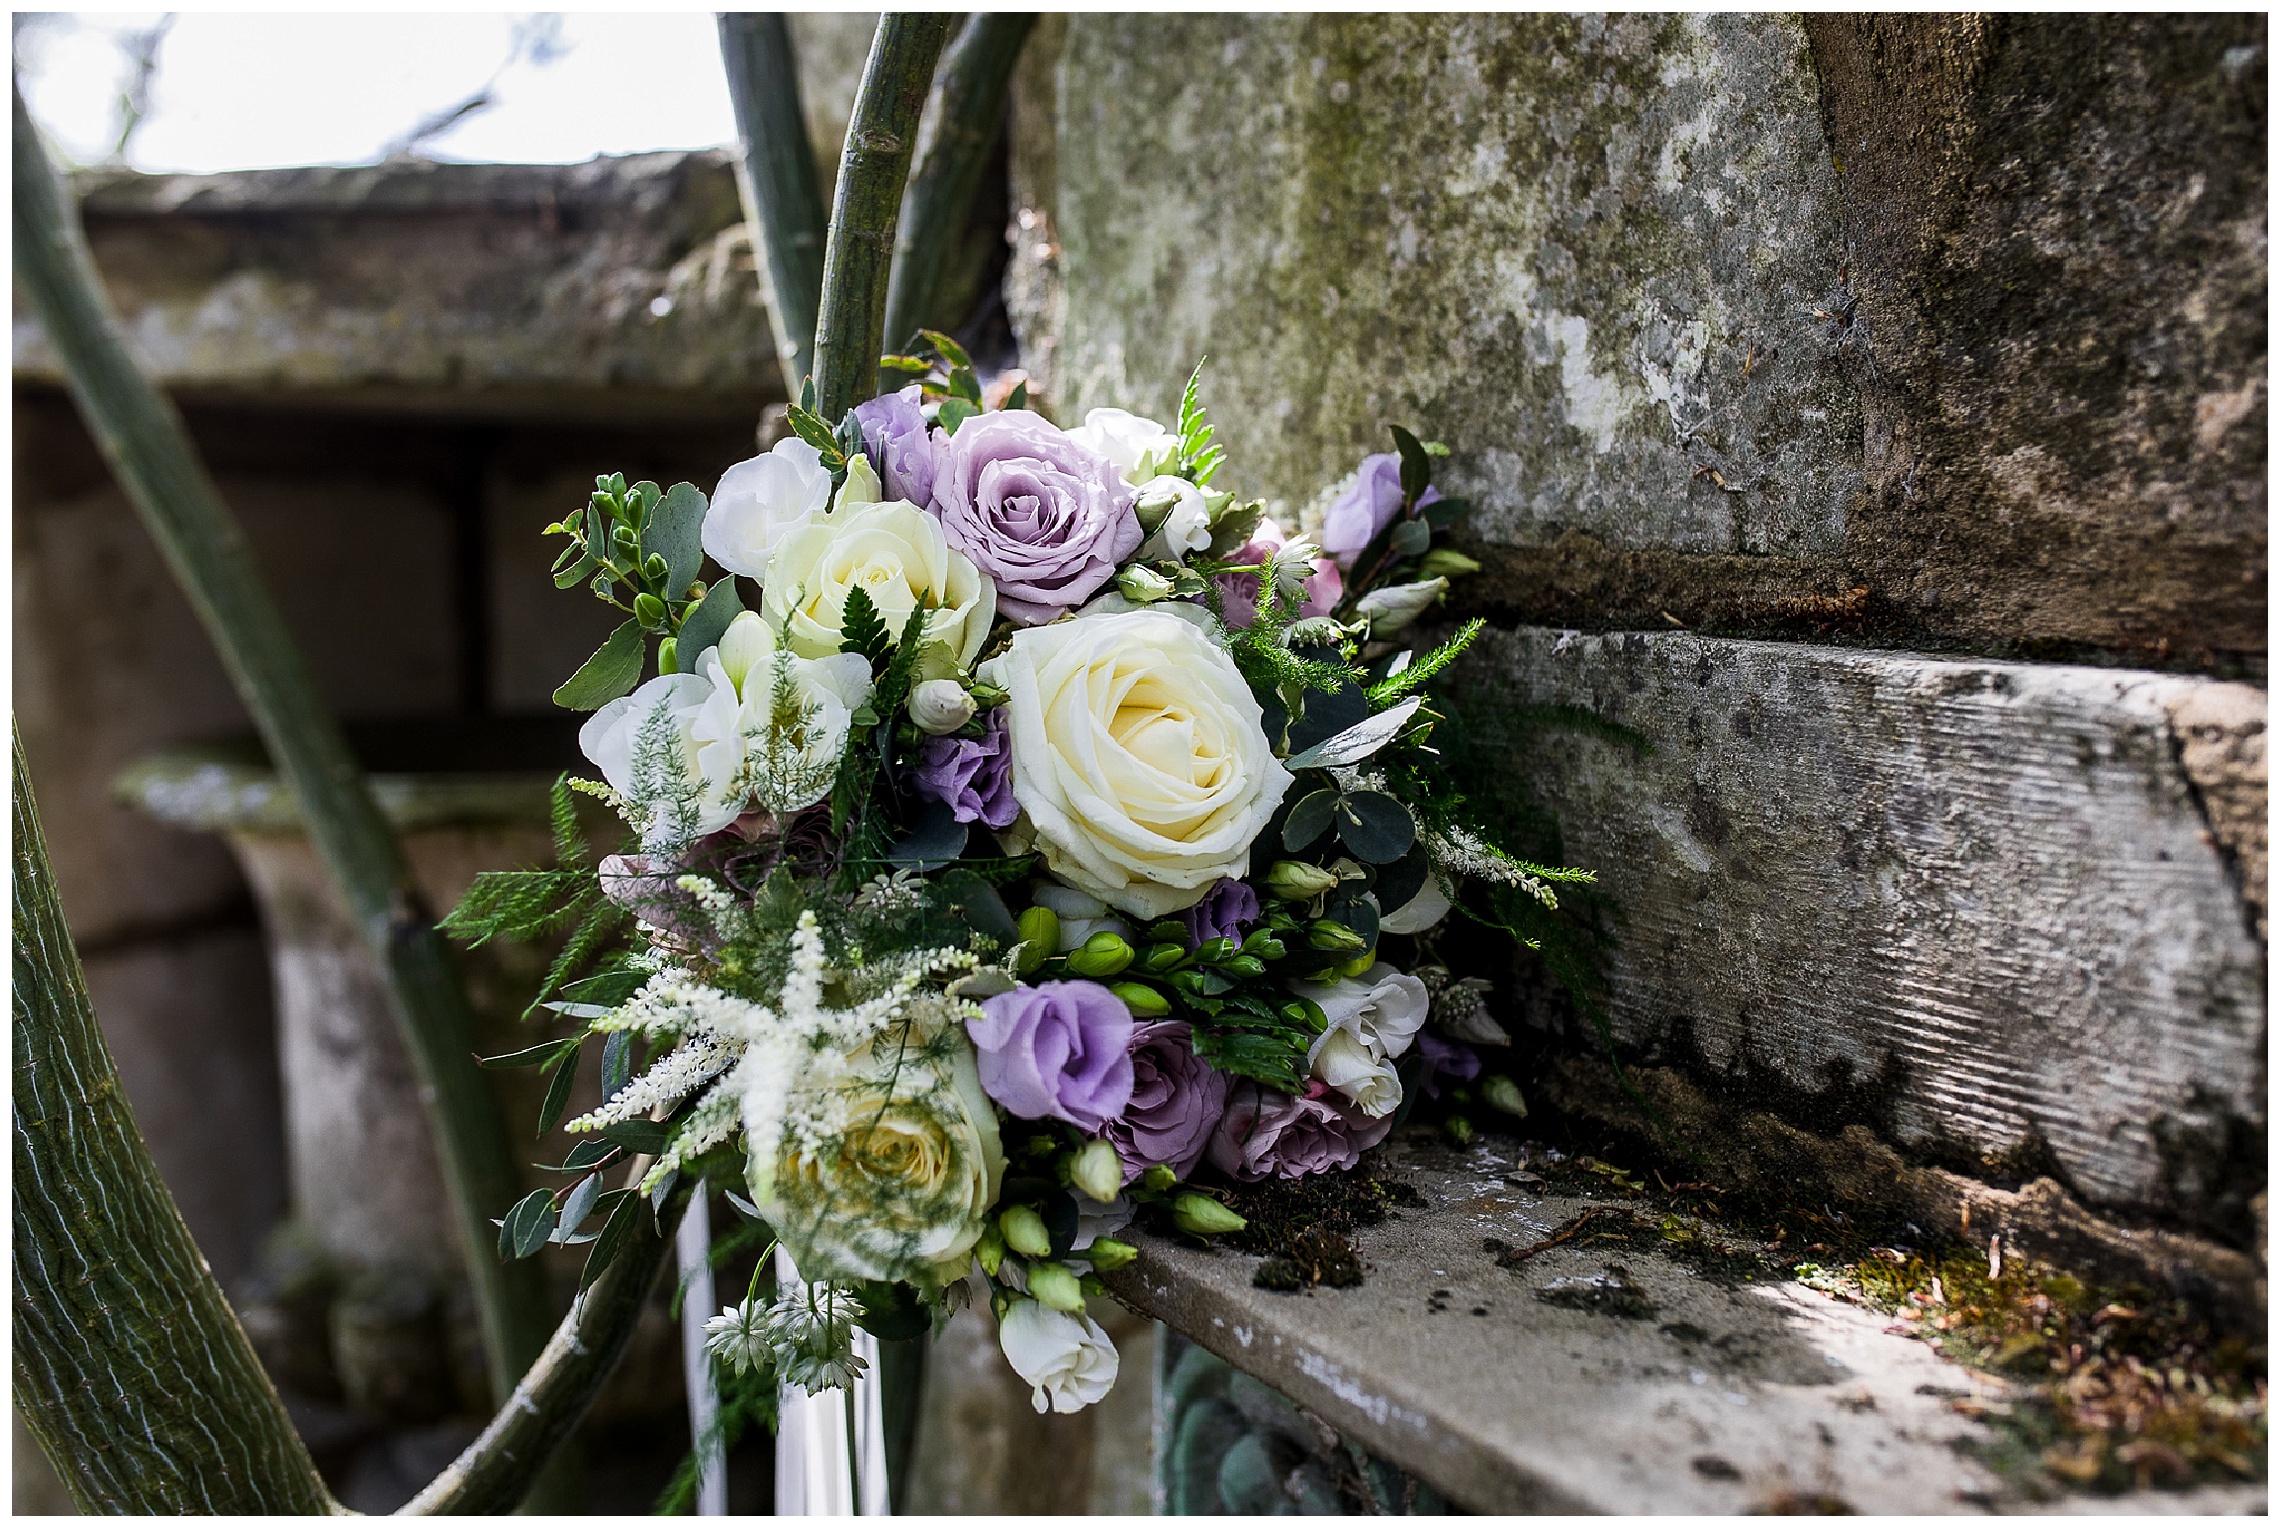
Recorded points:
(237,92)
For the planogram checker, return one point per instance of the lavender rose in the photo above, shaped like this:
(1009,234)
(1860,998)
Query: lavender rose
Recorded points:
(972,776)
(1366,508)
(1176,1102)
(895,437)
(1045,517)
(1265,1134)
(1060,1050)
(1222,913)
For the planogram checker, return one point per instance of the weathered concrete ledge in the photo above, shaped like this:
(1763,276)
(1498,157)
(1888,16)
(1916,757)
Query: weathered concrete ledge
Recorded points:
(1707,1396)
(1979,905)
(625,285)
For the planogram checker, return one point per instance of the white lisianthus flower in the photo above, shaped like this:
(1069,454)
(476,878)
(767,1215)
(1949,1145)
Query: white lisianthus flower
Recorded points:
(1371,1022)
(1068,1361)
(1081,915)
(774,727)
(1389,610)
(1139,449)
(897,554)
(1420,912)
(939,706)
(1181,514)
(761,501)
(647,748)
(1139,758)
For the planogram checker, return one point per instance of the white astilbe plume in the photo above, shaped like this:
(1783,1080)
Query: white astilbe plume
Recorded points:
(677,1074)
(1461,852)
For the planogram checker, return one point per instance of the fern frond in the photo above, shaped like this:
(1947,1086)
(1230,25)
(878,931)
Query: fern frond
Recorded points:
(569,841)
(860,629)
(517,904)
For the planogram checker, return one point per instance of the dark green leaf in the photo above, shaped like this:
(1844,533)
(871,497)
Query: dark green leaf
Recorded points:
(643,1137)
(891,1312)
(1398,883)
(1410,538)
(975,902)
(617,1063)
(949,349)
(1308,820)
(1358,742)
(536,1055)
(1328,713)
(1443,513)
(701,628)
(1019,397)
(963,384)
(579,1205)
(614,670)
(606,989)
(933,841)
(674,534)
(816,431)
(1416,466)
(955,412)
(557,1095)
(575,573)
(860,629)
(527,1225)
(1377,828)
(624,1212)
(588,1154)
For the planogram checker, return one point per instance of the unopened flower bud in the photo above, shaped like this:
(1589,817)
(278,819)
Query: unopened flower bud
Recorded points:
(990,1250)
(668,656)
(1359,964)
(941,705)
(1108,1254)
(1024,1231)
(1053,1285)
(1502,1093)
(1389,610)
(1097,1170)
(1158,1178)
(1104,954)
(1330,934)
(1202,1215)
(1458,1129)
(862,485)
(1443,562)
(1040,938)
(1144,1001)
(1295,882)
(1143,585)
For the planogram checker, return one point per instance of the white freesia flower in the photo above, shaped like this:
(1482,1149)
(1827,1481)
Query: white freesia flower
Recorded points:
(1389,610)
(1371,1021)
(1181,514)
(761,501)
(1140,449)
(647,748)
(1139,757)
(896,553)
(1081,914)
(1068,1361)
(939,706)
(774,727)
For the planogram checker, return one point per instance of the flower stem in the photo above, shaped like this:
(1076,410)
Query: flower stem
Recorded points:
(781,198)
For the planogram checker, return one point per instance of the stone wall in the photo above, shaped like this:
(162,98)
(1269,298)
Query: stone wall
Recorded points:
(1875,338)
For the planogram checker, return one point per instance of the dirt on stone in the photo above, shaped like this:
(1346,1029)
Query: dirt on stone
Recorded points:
(1304,1227)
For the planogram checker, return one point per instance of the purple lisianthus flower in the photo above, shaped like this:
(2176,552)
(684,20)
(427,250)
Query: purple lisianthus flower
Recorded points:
(1367,508)
(1265,1134)
(973,776)
(1059,1050)
(1222,913)
(1238,593)
(1046,518)
(1176,1102)
(896,439)
(1452,1059)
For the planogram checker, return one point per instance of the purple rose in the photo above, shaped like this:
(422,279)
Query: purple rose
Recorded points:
(1176,1101)
(1046,518)
(896,440)
(1367,508)
(1222,913)
(1265,1134)
(973,776)
(1452,1059)
(1056,1051)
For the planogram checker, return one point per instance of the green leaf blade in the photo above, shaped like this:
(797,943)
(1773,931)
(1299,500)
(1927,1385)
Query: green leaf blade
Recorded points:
(613,671)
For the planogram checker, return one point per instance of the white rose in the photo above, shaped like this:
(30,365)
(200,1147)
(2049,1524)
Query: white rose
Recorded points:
(941,705)
(1067,1360)
(1185,525)
(1371,1022)
(1139,448)
(896,552)
(1139,759)
(786,760)
(645,745)
(761,501)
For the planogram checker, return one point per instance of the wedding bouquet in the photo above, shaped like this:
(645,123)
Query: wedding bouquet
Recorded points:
(1023,855)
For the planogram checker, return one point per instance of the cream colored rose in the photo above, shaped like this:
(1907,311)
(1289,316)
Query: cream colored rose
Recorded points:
(780,750)
(1139,759)
(896,553)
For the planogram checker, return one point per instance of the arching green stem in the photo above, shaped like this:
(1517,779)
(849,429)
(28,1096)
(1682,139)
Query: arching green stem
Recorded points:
(782,201)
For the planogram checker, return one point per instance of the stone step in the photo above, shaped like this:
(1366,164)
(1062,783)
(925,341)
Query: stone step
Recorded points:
(1515,1390)
(1988,907)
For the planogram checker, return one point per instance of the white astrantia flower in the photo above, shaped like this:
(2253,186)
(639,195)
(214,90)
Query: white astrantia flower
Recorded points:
(1181,514)
(735,1338)
(646,746)
(1140,449)
(1140,760)
(939,706)
(775,725)
(1067,1360)
(810,1333)
(1371,1022)
(762,500)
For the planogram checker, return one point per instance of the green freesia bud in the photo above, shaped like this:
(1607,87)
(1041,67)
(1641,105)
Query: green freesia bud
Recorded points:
(1295,882)
(1441,562)
(1097,1170)
(990,1250)
(1104,954)
(1163,957)
(1502,1093)
(1243,965)
(1158,1178)
(649,610)
(1025,1231)
(1144,1001)
(1040,938)
(1359,964)
(1213,951)
(1109,1254)
(1143,585)
(1458,1129)
(1329,934)
(668,656)
(1053,1285)
(1205,1216)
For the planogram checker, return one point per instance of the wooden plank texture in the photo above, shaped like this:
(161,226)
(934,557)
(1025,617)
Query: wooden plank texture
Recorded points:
(1983,895)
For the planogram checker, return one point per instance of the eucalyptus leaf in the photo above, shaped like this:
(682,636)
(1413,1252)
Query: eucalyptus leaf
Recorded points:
(933,841)
(643,1137)
(1411,538)
(976,903)
(1377,828)
(557,1097)
(1359,741)
(587,1154)
(1308,820)
(1399,883)
(1326,713)
(617,1063)
(536,1055)
(579,1205)
(614,670)
(624,1212)
(675,533)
